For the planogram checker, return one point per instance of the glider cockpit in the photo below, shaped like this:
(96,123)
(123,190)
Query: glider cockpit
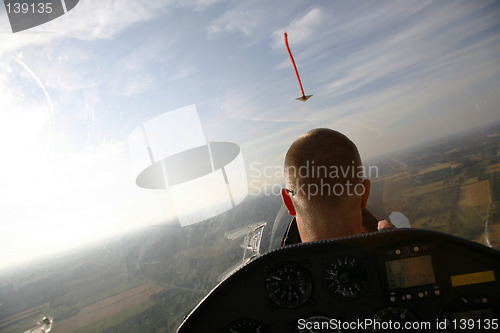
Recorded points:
(406,279)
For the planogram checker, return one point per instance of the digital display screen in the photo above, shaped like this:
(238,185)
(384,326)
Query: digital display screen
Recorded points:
(410,272)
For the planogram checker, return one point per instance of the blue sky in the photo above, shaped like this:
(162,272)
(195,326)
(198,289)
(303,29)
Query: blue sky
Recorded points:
(389,74)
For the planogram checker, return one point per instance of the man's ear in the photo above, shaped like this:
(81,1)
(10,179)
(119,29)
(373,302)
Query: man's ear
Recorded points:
(288,201)
(364,197)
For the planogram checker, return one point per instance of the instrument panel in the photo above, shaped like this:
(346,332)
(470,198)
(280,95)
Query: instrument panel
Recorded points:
(411,280)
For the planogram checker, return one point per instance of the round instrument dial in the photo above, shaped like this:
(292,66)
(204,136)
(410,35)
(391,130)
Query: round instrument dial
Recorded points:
(346,276)
(289,285)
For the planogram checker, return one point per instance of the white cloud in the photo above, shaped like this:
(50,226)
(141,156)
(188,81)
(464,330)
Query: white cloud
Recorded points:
(299,30)
(254,19)
(199,5)
(89,20)
(239,19)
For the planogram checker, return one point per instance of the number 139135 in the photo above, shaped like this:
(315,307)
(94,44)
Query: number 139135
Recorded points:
(32,8)
(475,324)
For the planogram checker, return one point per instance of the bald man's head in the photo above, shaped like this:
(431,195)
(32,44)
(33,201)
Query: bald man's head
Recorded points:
(324,172)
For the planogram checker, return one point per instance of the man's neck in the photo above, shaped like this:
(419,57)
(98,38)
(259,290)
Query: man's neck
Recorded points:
(329,227)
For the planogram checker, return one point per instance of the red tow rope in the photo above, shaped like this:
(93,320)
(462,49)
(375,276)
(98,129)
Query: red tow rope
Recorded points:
(303,98)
